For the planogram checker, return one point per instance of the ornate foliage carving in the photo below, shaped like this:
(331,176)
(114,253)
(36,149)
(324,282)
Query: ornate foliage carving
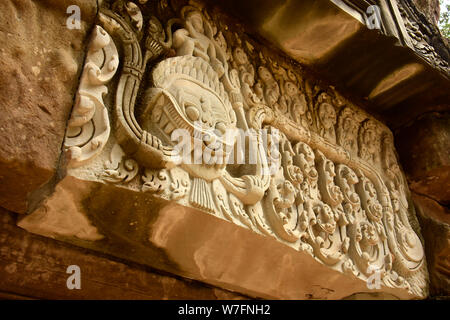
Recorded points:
(333,188)
(119,168)
(425,39)
(88,128)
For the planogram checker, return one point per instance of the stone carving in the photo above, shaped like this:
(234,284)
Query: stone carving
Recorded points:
(284,200)
(412,28)
(189,95)
(170,184)
(246,76)
(424,40)
(88,128)
(346,179)
(196,39)
(120,169)
(369,141)
(324,180)
(347,130)
(270,91)
(326,118)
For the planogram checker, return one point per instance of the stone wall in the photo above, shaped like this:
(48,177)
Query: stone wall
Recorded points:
(39,66)
(424,148)
(435,225)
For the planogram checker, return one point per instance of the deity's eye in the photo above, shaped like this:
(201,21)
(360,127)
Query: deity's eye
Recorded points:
(192,112)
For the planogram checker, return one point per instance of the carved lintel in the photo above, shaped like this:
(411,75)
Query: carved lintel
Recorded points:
(325,179)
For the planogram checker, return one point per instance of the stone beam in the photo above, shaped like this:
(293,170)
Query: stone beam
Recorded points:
(397,72)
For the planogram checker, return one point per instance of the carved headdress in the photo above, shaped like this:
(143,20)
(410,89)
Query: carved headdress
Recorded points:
(191,68)
(194,95)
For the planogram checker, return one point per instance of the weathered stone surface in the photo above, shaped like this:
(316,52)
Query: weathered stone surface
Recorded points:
(40,60)
(196,245)
(424,149)
(430,8)
(35,267)
(322,190)
(435,225)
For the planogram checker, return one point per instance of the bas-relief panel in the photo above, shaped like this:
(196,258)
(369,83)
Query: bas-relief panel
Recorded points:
(324,179)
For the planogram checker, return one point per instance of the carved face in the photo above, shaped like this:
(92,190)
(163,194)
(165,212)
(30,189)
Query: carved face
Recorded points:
(191,102)
(394,195)
(155,29)
(221,41)
(327,115)
(370,189)
(196,104)
(240,56)
(300,105)
(264,74)
(325,218)
(306,155)
(291,88)
(201,108)
(330,168)
(308,152)
(291,75)
(370,236)
(195,18)
(349,126)
(370,138)
(351,177)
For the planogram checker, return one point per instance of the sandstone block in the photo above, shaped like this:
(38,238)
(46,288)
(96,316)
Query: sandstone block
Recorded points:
(435,226)
(40,61)
(424,149)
